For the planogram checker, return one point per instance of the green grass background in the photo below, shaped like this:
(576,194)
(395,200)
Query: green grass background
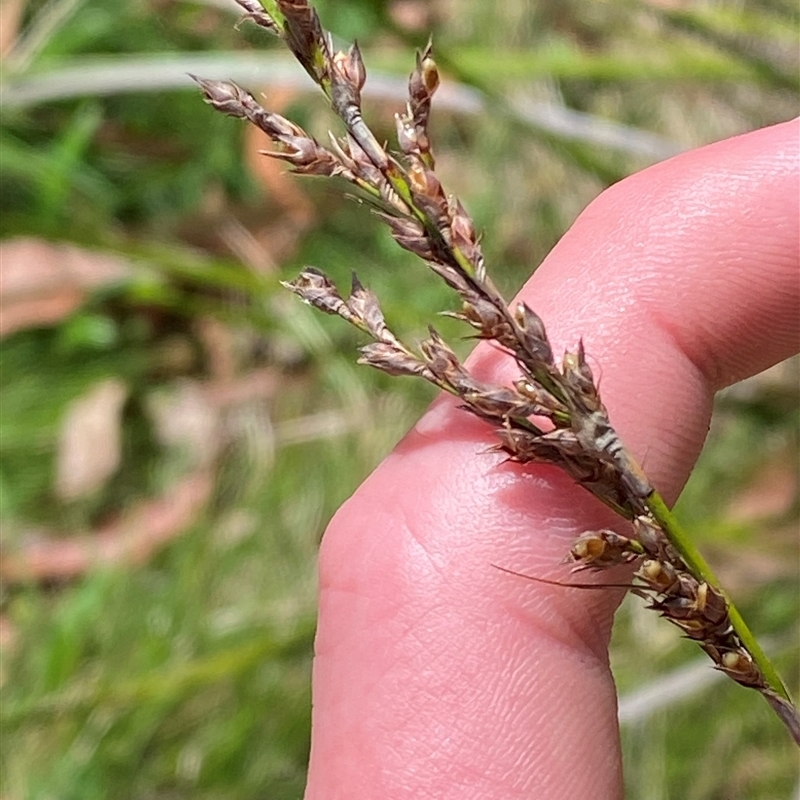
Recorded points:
(188,676)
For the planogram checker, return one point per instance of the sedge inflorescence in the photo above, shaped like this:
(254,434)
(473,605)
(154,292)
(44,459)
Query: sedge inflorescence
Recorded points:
(572,428)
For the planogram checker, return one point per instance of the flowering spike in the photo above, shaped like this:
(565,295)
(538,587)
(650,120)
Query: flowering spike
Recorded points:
(577,435)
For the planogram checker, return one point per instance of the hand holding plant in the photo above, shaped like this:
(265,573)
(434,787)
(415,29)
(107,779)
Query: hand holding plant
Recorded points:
(436,674)
(433,671)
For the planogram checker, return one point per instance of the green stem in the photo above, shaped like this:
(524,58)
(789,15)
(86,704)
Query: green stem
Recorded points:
(700,569)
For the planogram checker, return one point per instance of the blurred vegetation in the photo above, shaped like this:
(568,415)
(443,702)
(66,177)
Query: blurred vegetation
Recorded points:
(184,671)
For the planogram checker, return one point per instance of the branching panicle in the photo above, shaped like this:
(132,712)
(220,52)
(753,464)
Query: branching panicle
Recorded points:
(572,429)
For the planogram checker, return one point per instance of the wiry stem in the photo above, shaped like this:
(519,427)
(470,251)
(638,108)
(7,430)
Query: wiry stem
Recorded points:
(699,567)
(576,434)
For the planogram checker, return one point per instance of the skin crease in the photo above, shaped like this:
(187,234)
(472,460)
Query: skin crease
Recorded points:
(438,676)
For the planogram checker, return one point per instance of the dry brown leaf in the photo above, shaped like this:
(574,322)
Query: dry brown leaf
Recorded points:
(132,539)
(219,346)
(184,418)
(41,283)
(90,440)
(282,187)
(412,15)
(8,641)
(282,239)
(771,494)
(258,384)
(10,21)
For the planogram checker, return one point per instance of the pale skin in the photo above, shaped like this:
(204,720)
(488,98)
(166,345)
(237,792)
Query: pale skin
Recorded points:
(437,675)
